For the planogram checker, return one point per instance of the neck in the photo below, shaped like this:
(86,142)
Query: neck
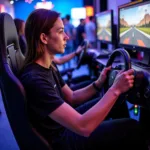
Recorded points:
(45,60)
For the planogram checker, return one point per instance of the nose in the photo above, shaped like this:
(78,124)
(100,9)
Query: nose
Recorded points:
(66,36)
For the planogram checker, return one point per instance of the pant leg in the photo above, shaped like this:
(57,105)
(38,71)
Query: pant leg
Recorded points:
(118,134)
(127,132)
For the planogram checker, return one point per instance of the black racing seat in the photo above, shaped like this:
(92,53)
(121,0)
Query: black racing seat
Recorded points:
(13,94)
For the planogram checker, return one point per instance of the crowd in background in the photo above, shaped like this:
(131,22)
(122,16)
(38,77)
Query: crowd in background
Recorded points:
(85,30)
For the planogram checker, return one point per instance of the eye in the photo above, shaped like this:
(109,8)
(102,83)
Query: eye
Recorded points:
(61,31)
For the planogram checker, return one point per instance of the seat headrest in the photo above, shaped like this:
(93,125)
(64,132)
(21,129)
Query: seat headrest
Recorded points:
(9,43)
(9,33)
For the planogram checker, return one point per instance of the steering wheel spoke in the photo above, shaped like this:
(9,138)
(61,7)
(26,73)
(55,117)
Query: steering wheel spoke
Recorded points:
(114,71)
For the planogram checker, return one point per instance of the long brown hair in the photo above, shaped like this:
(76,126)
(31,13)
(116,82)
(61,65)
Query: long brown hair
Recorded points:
(39,21)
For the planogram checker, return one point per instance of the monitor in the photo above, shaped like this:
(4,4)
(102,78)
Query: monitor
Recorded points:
(104,23)
(134,27)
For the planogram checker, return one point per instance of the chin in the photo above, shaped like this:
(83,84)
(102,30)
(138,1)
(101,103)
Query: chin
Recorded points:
(62,51)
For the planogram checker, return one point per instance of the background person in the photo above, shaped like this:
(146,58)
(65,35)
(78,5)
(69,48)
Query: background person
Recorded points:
(70,31)
(90,31)
(80,32)
(20,25)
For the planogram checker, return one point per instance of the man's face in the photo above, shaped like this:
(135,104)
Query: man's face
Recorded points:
(57,38)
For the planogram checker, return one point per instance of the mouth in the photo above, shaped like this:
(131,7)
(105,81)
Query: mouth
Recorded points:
(64,45)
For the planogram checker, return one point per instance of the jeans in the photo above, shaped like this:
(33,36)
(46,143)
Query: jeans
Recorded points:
(117,134)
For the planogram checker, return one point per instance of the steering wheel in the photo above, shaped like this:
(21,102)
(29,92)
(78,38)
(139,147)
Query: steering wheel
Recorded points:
(82,54)
(114,71)
(127,64)
(138,94)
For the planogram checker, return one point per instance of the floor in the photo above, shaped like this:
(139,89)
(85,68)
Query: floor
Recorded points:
(7,140)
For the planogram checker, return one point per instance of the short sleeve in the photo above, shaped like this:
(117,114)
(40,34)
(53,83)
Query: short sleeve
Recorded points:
(42,96)
(61,81)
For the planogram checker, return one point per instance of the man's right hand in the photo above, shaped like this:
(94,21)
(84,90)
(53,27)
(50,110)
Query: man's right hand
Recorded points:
(79,49)
(124,81)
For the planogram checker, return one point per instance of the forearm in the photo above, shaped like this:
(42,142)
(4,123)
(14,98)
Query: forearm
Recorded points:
(94,116)
(84,94)
(65,58)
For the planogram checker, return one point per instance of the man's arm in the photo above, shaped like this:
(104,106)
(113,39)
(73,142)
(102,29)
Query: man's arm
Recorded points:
(79,96)
(64,59)
(84,35)
(86,123)
(68,57)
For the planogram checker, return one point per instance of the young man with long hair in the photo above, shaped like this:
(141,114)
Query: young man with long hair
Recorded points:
(50,101)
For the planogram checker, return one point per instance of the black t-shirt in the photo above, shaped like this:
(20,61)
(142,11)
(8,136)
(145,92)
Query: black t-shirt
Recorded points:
(44,95)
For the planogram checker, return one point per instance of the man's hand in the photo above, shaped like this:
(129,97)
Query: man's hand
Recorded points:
(124,81)
(102,78)
(79,50)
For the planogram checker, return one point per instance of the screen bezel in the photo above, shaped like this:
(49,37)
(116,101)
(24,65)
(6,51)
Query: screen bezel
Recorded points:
(129,46)
(111,15)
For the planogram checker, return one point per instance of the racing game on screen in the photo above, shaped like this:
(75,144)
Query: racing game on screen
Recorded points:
(104,32)
(135,25)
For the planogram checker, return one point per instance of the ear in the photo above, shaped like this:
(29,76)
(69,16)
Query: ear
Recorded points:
(43,38)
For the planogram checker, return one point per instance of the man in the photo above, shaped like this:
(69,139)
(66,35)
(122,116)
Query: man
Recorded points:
(50,101)
(70,31)
(80,32)
(90,30)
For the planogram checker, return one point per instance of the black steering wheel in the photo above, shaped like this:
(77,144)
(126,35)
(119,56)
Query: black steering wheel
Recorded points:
(127,64)
(82,54)
(114,71)
(138,94)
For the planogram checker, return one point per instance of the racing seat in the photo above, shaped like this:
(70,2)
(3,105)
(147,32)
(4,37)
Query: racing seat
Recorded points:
(13,94)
